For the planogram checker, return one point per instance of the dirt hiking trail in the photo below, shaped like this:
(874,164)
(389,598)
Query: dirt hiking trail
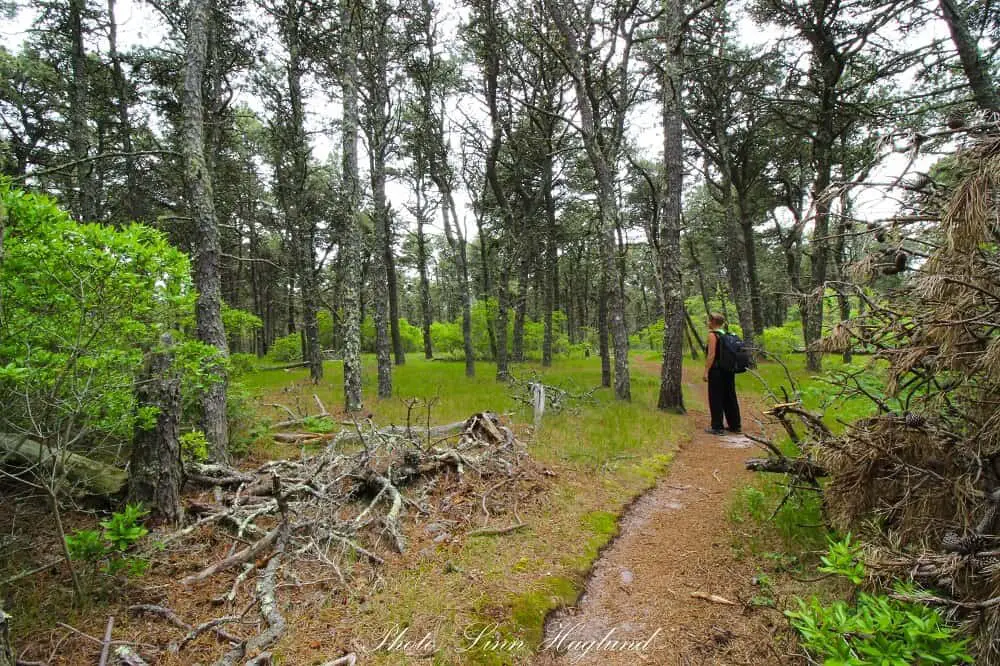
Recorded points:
(674,542)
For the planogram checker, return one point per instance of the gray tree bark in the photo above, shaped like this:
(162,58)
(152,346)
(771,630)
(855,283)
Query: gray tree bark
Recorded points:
(351,242)
(602,146)
(299,221)
(155,471)
(82,201)
(201,202)
(671,396)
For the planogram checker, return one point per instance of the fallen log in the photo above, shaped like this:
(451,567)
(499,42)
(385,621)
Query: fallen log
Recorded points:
(800,467)
(82,475)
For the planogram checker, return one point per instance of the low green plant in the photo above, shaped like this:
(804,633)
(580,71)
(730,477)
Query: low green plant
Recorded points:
(843,558)
(104,551)
(875,628)
(194,446)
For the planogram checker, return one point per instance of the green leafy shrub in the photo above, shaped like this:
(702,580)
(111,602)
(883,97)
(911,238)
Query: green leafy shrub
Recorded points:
(287,349)
(123,529)
(782,340)
(79,305)
(843,558)
(194,446)
(876,629)
(105,551)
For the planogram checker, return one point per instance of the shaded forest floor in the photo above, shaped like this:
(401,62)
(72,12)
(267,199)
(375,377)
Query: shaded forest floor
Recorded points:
(452,598)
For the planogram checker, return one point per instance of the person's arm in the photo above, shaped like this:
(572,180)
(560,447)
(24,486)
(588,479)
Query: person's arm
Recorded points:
(710,356)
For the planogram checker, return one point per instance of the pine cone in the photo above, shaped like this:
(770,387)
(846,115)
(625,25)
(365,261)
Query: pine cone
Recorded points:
(914,420)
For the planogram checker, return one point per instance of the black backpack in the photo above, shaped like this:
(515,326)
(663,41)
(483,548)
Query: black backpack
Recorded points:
(732,354)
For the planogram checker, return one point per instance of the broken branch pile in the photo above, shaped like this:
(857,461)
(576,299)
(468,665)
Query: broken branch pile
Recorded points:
(336,510)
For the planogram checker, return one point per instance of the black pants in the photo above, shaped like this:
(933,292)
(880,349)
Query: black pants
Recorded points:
(722,399)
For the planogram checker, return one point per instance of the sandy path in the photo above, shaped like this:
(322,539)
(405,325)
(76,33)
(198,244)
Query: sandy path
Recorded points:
(674,541)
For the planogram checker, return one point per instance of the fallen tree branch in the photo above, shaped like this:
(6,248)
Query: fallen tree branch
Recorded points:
(106,645)
(248,553)
(269,609)
(800,467)
(192,631)
(497,531)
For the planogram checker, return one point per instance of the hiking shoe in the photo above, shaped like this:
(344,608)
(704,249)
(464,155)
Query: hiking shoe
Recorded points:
(735,431)
(715,431)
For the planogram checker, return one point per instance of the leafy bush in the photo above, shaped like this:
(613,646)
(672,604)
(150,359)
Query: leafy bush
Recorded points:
(121,531)
(782,340)
(194,446)
(287,349)
(79,306)
(875,629)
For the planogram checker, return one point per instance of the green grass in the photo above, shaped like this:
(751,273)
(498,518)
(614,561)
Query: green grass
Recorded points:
(602,455)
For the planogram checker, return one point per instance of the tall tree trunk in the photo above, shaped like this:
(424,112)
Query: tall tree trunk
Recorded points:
(398,350)
(753,279)
(487,286)
(503,372)
(520,308)
(201,202)
(425,287)
(155,473)
(456,240)
(351,241)
(550,275)
(734,258)
(700,274)
(121,87)
(379,280)
(818,256)
(300,221)
(82,202)
(840,260)
(977,70)
(603,337)
(671,395)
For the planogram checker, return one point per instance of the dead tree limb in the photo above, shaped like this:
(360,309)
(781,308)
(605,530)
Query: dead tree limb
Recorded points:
(799,467)
(248,553)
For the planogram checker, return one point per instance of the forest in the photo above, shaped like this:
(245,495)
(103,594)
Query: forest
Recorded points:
(331,326)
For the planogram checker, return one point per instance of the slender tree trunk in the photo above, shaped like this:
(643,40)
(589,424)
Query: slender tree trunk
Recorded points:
(425,287)
(398,350)
(208,309)
(603,338)
(976,68)
(839,261)
(351,241)
(155,472)
(503,372)
(550,279)
(121,86)
(82,200)
(520,308)
(671,394)
(753,280)
(379,283)
(700,274)
(300,221)
(487,286)
(818,249)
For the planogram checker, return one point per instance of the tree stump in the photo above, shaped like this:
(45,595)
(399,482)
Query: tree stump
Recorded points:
(155,469)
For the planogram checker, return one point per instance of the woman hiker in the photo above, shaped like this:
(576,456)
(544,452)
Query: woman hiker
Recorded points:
(721,383)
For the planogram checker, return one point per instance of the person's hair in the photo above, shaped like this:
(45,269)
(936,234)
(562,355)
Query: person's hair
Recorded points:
(717,320)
